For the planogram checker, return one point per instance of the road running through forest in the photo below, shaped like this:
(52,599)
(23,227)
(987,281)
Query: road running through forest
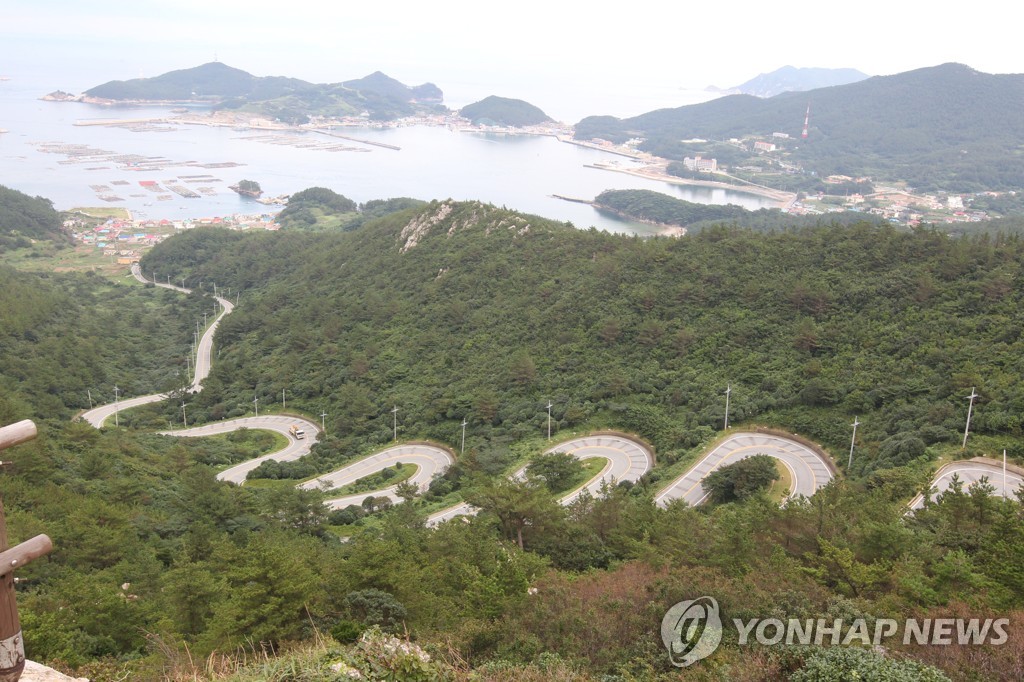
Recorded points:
(627,458)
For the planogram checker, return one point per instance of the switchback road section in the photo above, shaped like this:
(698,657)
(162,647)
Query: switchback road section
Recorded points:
(808,469)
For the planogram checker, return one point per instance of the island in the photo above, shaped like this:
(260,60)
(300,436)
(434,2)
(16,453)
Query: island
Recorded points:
(247,188)
(502,111)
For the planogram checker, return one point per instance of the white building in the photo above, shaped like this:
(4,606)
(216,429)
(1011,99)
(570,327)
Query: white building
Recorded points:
(701,164)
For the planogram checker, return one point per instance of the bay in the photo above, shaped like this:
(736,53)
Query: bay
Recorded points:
(44,153)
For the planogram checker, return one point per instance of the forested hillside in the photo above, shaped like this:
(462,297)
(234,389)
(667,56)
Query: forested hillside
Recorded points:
(462,310)
(24,218)
(947,127)
(467,310)
(288,99)
(504,112)
(57,342)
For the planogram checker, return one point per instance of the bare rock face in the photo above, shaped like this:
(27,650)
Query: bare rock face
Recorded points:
(36,672)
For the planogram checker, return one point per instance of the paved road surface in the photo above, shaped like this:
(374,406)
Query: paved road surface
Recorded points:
(808,469)
(203,362)
(628,460)
(204,354)
(971,471)
(275,422)
(430,460)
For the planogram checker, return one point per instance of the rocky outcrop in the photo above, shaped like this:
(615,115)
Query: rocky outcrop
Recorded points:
(36,672)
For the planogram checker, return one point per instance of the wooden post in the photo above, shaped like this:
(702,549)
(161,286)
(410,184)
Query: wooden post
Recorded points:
(12,646)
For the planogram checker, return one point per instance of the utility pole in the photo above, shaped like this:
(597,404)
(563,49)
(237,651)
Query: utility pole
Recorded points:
(323,424)
(184,419)
(204,320)
(90,397)
(852,441)
(970,407)
(549,420)
(1005,496)
(284,405)
(394,412)
(256,403)
(728,392)
(214,289)
(463,451)
(116,406)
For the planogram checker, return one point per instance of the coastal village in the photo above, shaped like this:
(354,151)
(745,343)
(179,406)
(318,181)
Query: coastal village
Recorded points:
(124,237)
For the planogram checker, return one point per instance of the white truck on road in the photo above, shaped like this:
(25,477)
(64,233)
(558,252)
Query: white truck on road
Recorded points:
(297,432)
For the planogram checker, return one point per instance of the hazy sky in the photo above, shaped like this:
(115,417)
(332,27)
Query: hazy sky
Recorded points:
(561,56)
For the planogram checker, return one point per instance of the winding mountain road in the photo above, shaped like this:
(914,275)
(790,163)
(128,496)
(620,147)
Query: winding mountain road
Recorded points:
(627,459)
(430,461)
(808,469)
(971,471)
(204,362)
(278,423)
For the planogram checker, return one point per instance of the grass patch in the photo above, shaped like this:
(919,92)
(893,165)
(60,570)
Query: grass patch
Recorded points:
(589,468)
(102,212)
(783,485)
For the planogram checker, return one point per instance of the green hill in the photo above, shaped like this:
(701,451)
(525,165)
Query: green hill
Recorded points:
(385,86)
(504,112)
(947,127)
(436,311)
(462,310)
(212,81)
(288,99)
(24,219)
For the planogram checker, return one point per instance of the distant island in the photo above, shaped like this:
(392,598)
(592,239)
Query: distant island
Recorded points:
(247,188)
(794,79)
(503,111)
(290,100)
(908,146)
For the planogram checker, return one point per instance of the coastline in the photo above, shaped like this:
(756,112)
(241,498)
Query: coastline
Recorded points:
(654,167)
(664,229)
(657,172)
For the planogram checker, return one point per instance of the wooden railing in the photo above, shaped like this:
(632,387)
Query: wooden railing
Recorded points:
(12,645)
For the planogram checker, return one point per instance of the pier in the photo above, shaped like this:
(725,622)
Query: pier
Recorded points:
(575,200)
(356,139)
(117,121)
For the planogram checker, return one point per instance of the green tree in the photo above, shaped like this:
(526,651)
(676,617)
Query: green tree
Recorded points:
(558,470)
(517,505)
(741,479)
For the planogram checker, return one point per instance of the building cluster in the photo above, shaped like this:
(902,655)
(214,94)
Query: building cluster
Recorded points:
(125,239)
(895,205)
